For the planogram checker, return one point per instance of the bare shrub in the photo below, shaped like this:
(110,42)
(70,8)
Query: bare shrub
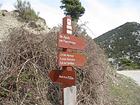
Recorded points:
(26,60)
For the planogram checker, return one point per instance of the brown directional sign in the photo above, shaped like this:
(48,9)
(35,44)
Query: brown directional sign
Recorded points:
(64,77)
(71,41)
(71,59)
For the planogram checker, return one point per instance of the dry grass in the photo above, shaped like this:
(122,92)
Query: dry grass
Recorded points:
(26,59)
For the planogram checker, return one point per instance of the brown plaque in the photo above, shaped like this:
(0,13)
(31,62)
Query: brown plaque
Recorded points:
(71,41)
(71,59)
(64,77)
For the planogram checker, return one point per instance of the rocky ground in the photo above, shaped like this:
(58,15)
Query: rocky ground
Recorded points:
(8,20)
(11,20)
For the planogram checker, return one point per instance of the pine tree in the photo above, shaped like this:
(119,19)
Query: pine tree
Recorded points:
(73,8)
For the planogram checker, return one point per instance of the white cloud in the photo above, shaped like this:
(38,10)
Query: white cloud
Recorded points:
(7,4)
(52,15)
(100,16)
(103,18)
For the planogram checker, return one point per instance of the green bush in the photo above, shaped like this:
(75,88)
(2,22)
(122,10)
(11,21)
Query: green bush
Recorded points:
(25,10)
(129,64)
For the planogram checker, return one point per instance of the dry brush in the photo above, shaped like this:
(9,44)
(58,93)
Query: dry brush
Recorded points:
(27,58)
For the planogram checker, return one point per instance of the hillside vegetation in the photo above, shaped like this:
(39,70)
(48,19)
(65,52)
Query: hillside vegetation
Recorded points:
(26,59)
(122,45)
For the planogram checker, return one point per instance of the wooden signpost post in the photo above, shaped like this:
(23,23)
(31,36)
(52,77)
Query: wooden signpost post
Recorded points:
(70,95)
(66,60)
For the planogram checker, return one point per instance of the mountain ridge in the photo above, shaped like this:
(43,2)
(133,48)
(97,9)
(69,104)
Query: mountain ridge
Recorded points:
(122,45)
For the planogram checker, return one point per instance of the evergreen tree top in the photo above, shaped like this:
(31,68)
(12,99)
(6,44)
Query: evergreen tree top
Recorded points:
(73,8)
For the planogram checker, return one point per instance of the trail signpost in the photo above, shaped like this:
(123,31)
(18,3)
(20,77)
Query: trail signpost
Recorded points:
(63,77)
(71,59)
(71,41)
(66,77)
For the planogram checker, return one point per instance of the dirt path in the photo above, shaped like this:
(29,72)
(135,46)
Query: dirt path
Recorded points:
(134,74)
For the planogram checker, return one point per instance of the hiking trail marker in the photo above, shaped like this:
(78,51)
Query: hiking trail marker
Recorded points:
(66,77)
(71,41)
(63,77)
(71,59)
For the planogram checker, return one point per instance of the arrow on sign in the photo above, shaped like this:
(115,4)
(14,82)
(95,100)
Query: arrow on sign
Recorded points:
(71,59)
(71,41)
(64,77)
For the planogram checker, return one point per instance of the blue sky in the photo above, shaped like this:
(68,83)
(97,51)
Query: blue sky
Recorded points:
(101,15)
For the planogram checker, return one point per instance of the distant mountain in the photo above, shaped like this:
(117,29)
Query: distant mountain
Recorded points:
(122,45)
